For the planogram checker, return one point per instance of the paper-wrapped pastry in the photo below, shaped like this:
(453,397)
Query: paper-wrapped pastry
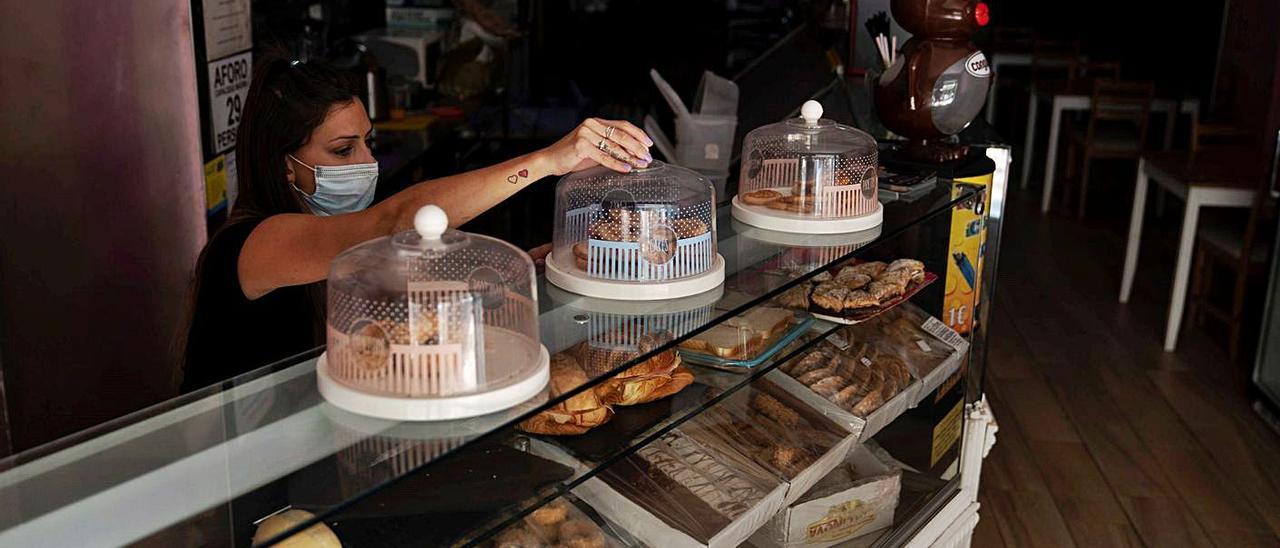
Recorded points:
(575,415)
(655,378)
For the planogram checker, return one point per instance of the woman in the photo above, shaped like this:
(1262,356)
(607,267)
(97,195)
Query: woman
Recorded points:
(307,178)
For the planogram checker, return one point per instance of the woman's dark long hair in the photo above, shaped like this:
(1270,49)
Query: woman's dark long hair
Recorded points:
(286,101)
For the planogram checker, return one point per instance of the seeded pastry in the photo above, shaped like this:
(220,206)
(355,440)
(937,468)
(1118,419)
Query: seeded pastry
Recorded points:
(860,299)
(830,295)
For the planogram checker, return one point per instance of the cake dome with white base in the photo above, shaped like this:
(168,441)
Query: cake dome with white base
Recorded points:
(432,324)
(809,175)
(644,235)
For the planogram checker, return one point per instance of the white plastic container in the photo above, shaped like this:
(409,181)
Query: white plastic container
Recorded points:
(432,324)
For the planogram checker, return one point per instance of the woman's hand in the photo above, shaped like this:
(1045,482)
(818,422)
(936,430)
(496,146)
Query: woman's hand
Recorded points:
(615,144)
(539,256)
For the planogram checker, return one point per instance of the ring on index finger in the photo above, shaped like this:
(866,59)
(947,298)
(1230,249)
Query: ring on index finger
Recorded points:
(608,132)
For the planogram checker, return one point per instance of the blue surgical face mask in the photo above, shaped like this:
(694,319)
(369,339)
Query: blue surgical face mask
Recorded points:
(340,189)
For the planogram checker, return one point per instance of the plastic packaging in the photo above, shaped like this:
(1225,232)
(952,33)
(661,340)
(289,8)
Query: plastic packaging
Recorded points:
(432,324)
(809,175)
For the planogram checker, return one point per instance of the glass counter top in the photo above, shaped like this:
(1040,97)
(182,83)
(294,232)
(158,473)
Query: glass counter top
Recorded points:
(139,475)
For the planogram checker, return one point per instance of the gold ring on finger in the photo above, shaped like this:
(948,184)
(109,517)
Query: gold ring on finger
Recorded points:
(608,132)
(603,147)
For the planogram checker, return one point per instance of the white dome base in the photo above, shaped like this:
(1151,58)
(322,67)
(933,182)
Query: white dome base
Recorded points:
(440,408)
(582,284)
(772,219)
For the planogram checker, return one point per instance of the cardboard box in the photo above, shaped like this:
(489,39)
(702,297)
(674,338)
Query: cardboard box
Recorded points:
(607,491)
(841,507)
(602,494)
(908,398)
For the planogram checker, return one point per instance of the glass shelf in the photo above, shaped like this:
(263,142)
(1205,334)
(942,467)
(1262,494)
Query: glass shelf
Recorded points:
(212,463)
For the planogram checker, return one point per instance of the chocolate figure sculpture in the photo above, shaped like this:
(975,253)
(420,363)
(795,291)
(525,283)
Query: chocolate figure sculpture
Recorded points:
(939,82)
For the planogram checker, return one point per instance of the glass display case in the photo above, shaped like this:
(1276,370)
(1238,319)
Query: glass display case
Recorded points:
(809,175)
(861,425)
(431,324)
(646,234)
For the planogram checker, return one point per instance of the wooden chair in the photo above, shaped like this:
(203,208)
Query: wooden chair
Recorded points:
(1053,64)
(1223,242)
(1116,128)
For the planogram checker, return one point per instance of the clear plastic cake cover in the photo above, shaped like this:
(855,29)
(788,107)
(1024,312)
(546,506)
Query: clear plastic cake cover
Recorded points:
(652,225)
(809,167)
(431,313)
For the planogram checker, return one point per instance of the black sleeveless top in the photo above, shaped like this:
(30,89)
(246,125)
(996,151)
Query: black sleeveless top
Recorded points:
(231,334)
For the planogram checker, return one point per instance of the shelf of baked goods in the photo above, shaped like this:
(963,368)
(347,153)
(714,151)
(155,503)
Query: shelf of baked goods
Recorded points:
(280,444)
(775,431)
(626,374)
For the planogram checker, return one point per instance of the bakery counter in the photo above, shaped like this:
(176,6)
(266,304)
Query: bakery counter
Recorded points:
(761,387)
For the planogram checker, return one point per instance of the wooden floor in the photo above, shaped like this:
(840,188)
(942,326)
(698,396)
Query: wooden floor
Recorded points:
(1106,440)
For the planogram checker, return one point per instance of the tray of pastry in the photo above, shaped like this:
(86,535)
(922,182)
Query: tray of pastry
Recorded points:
(565,521)
(763,425)
(675,491)
(747,340)
(858,292)
(864,376)
(857,388)
(931,350)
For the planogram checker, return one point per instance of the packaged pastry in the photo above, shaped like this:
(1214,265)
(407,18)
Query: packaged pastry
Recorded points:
(559,523)
(648,234)
(575,415)
(674,491)
(658,376)
(763,425)
(746,340)
(864,375)
(422,319)
(858,497)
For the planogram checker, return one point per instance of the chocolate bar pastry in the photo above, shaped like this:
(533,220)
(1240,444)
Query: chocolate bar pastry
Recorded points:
(575,415)
(681,483)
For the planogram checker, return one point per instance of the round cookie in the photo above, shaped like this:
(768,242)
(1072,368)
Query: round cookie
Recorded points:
(760,197)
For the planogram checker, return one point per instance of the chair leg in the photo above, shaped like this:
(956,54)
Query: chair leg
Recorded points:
(1237,313)
(1084,183)
(1195,304)
(1069,181)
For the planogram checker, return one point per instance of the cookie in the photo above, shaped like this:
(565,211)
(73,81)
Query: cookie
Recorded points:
(688,228)
(830,295)
(853,280)
(873,268)
(793,208)
(859,298)
(882,291)
(760,197)
(910,265)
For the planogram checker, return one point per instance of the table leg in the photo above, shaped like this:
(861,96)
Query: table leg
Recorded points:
(1029,142)
(1170,120)
(1135,231)
(1182,270)
(1051,158)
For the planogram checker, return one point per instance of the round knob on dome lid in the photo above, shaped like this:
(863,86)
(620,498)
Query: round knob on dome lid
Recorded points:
(811,111)
(430,221)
